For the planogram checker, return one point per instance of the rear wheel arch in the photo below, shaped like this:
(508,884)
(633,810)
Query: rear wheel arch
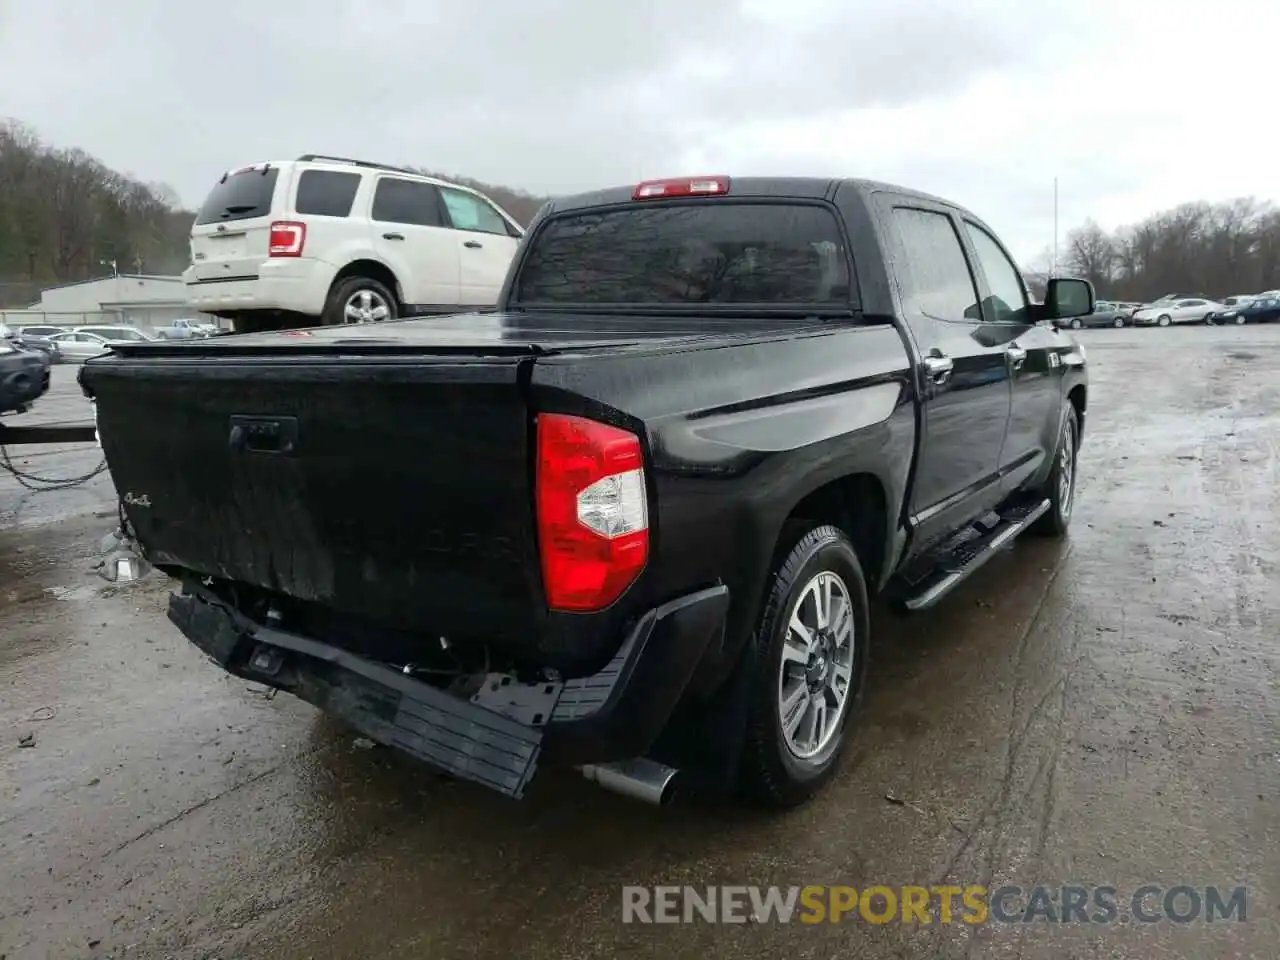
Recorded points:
(855,503)
(374,270)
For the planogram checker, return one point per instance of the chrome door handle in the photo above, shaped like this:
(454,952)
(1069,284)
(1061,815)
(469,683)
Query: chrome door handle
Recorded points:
(938,367)
(1016,354)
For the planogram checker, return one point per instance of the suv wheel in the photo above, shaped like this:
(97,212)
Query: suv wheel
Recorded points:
(810,664)
(358,300)
(1060,487)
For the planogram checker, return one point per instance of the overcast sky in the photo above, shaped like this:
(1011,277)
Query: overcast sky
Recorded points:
(1135,105)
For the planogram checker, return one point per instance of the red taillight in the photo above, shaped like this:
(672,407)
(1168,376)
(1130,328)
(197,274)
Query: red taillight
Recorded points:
(287,239)
(593,513)
(681,187)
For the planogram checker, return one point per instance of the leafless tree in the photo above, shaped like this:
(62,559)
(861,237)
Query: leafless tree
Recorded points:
(1091,253)
(1215,249)
(63,213)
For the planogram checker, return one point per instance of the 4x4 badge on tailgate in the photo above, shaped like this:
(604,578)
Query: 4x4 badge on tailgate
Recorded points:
(142,501)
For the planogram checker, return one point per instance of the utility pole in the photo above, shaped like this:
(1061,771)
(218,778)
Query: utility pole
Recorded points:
(1054,271)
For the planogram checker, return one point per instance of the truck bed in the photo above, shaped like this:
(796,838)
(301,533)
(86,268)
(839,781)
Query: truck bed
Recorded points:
(378,481)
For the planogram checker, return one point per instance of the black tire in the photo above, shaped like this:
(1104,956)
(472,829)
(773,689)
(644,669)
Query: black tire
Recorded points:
(772,773)
(1240,319)
(1118,322)
(1076,323)
(1163,320)
(351,287)
(1054,521)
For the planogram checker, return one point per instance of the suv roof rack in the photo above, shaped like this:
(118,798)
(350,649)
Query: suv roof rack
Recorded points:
(307,157)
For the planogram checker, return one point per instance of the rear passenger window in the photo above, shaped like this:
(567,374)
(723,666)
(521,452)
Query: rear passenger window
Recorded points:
(935,279)
(468,212)
(404,201)
(326,193)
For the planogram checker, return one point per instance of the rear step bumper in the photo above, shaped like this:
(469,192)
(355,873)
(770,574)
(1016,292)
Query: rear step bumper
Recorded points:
(614,715)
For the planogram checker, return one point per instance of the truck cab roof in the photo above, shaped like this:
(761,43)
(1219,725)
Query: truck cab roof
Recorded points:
(816,188)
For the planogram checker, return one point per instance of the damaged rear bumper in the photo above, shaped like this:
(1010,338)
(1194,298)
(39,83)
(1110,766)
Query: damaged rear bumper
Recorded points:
(499,737)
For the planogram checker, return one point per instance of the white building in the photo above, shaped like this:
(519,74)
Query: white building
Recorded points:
(141,300)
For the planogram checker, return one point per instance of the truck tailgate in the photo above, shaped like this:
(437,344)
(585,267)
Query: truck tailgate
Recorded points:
(398,493)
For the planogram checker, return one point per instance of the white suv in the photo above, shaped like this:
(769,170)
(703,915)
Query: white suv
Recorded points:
(332,240)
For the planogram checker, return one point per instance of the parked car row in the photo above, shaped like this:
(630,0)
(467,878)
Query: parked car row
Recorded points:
(22,339)
(78,343)
(1181,309)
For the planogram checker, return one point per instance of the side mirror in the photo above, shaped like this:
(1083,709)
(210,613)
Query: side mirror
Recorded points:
(1068,297)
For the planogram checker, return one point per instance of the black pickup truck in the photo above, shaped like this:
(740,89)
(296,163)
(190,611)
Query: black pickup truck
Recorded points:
(630,521)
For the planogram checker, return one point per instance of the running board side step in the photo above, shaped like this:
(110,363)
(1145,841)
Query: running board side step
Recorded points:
(955,565)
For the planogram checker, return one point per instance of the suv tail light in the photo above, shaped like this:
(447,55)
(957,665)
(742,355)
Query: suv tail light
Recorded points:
(682,187)
(593,512)
(287,239)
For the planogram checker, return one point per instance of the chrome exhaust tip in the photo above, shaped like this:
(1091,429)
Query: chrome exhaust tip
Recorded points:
(639,778)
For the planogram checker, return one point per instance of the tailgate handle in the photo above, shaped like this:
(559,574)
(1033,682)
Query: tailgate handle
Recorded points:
(264,434)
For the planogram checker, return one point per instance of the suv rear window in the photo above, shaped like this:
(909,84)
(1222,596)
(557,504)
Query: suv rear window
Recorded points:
(240,196)
(712,252)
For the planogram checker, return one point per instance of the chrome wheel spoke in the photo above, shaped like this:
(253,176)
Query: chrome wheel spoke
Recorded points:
(815,721)
(794,707)
(803,635)
(839,683)
(822,601)
(842,623)
(794,654)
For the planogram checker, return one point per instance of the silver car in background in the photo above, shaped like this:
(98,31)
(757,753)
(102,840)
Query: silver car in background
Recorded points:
(77,347)
(82,343)
(1192,310)
(113,333)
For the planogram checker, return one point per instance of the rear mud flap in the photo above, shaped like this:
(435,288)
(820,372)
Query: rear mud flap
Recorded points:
(451,734)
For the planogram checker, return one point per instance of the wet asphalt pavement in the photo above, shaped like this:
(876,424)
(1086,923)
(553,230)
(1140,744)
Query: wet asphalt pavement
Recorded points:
(1105,710)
